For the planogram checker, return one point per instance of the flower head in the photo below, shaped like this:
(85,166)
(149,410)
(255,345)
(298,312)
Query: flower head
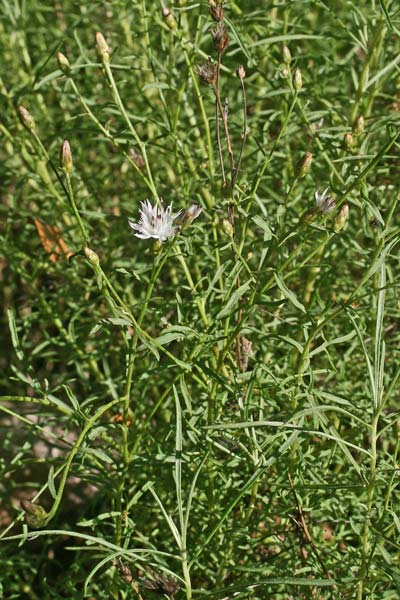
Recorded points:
(207,72)
(155,221)
(325,203)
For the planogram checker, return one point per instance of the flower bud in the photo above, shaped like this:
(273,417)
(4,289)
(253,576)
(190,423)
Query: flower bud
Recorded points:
(303,166)
(169,19)
(216,10)
(227,227)
(92,257)
(241,72)
(35,515)
(297,80)
(358,126)
(220,37)
(102,48)
(189,215)
(26,118)
(64,64)
(341,218)
(349,141)
(66,157)
(287,57)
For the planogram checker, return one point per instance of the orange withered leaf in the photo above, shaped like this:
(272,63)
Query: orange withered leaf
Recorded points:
(51,240)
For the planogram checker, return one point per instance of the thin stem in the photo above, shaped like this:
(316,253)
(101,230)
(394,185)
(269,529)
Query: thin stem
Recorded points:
(217,124)
(244,134)
(131,128)
(75,210)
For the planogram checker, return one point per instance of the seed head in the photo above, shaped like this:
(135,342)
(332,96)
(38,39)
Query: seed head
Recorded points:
(220,37)
(66,157)
(26,118)
(64,64)
(216,10)
(207,72)
(102,48)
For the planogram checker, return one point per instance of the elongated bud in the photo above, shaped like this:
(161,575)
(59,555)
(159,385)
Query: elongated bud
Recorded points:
(227,227)
(349,141)
(341,218)
(303,166)
(66,157)
(220,37)
(297,80)
(241,72)
(64,64)
(358,126)
(91,256)
(169,19)
(26,118)
(35,515)
(102,48)
(287,57)
(216,10)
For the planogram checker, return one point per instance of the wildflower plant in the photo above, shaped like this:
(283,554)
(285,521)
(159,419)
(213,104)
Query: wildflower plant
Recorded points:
(199,397)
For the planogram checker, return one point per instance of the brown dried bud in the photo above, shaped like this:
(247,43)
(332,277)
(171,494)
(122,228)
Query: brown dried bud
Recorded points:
(137,158)
(26,118)
(102,48)
(169,19)
(216,10)
(220,37)
(241,72)
(161,584)
(64,64)
(303,166)
(66,157)
(207,72)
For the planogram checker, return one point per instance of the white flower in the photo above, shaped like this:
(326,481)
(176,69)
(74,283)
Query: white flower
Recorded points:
(155,221)
(325,203)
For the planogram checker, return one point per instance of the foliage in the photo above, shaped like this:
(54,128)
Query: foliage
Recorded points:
(215,415)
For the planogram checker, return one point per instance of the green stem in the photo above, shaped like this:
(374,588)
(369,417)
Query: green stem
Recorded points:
(75,210)
(131,128)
